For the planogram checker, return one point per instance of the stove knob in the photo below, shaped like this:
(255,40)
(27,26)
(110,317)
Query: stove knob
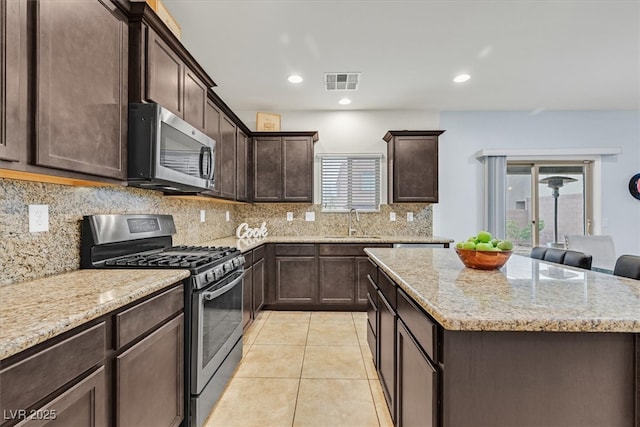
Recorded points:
(210,276)
(228,266)
(218,272)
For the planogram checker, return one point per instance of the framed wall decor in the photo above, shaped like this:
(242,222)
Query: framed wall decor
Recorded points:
(267,122)
(634,186)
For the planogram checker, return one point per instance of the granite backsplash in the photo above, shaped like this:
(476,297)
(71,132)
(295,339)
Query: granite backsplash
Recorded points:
(25,256)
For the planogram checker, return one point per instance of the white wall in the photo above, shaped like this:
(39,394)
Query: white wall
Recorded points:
(460,211)
(351,131)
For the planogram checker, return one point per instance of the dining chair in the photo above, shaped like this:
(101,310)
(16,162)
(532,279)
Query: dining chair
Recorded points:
(554,255)
(600,247)
(538,252)
(577,259)
(628,266)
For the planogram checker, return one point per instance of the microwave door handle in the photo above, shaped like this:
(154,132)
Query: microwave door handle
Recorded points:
(211,168)
(214,294)
(205,168)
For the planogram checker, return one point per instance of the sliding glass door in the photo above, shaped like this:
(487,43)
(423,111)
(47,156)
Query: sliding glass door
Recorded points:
(546,201)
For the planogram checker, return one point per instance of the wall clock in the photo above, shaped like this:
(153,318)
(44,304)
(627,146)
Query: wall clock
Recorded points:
(634,186)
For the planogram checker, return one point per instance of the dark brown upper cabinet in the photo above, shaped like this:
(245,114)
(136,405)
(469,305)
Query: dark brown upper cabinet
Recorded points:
(64,88)
(13,70)
(242,163)
(283,166)
(412,165)
(163,71)
(212,129)
(226,150)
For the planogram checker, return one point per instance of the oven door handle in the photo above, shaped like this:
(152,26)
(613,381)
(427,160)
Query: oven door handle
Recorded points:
(214,294)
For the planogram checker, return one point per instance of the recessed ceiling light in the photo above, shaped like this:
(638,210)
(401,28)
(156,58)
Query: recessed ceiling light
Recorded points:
(294,78)
(461,78)
(344,101)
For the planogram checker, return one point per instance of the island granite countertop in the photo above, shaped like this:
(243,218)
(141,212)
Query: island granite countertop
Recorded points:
(35,311)
(525,295)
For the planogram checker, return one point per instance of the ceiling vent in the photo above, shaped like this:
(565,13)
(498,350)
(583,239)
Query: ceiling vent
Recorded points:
(341,81)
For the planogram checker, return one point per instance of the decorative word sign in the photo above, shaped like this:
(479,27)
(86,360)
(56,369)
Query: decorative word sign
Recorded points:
(243,231)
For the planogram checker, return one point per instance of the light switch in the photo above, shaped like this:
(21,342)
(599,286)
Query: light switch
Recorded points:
(309,216)
(289,216)
(38,218)
(392,216)
(409,216)
(227,216)
(202,215)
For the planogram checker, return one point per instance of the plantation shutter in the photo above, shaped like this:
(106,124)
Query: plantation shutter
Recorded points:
(350,181)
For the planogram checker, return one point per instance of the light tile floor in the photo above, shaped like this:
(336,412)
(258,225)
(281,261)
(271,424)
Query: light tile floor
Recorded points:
(304,369)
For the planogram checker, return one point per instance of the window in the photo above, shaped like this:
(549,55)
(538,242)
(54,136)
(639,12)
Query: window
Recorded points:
(350,181)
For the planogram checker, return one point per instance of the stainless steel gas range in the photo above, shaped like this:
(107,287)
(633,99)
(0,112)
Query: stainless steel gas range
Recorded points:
(213,295)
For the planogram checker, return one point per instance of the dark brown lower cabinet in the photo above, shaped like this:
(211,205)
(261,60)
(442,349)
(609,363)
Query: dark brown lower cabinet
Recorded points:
(386,350)
(247,296)
(83,404)
(296,279)
(149,379)
(258,286)
(417,382)
(336,280)
(364,269)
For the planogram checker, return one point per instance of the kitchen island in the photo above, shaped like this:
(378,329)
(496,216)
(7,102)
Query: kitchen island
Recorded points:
(532,344)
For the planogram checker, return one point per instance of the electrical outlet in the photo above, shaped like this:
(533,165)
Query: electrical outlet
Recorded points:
(227,216)
(409,216)
(309,216)
(392,216)
(289,216)
(38,218)
(203,215)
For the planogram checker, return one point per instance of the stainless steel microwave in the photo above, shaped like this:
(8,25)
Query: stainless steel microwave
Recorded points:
(166,153)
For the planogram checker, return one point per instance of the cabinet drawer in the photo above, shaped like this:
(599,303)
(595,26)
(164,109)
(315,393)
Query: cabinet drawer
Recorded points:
(258,254)
(373,268)
(296,250)
(248,259)
(139,319)
(34,378)
(421,327)
(387,287)
(347,249)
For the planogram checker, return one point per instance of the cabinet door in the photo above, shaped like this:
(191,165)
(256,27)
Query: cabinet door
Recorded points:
(81,106)
(84,404)
(337,278)
(150,379)
(165,75)
(242,145)
(417,399)
(258,286)
(267,168)
(296,280)
(386,343)
(415,169)
(212,129)
(13,89)
(195,100)
(247,297)
(227,153)
(297,169)
(363,269)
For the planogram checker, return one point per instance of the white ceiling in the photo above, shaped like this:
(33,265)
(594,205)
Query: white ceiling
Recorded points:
(522,55)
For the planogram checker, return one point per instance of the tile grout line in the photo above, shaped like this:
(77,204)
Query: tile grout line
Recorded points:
(304,352)
(373,399)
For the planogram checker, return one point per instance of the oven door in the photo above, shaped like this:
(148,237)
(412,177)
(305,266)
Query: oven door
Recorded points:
(216,327)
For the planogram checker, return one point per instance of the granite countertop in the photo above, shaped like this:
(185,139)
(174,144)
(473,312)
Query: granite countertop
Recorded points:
(525,295)
(32,312)
(248,244)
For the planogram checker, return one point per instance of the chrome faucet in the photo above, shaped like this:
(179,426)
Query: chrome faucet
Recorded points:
(351,229)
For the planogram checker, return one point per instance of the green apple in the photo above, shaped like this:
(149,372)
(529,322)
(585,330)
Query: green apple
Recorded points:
(484,246)
(495,242)
(473,239)
(505,245)
(469,245)
(459,245)
(484,236)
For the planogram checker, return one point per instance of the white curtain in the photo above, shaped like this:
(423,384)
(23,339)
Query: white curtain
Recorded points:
(495,195)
